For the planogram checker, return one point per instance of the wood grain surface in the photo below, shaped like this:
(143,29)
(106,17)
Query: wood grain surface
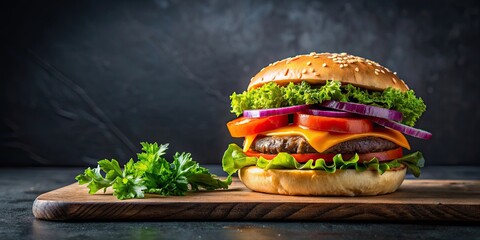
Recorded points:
(416,200)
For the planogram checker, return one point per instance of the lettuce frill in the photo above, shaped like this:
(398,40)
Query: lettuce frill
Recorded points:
(271,95)
(235,159)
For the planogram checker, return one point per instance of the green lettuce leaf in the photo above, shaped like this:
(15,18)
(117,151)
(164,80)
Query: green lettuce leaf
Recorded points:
(271,95)
(235,159)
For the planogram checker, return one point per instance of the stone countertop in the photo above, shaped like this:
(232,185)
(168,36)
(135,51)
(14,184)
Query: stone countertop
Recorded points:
(20,186)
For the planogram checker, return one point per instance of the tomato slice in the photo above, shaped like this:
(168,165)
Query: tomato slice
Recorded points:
(243,126)
(333,124)
(328,157)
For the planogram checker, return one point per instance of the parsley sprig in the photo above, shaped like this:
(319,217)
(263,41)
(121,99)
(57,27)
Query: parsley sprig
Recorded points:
(152,173)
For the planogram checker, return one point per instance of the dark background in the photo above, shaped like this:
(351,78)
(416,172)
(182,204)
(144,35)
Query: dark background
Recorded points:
(84,80)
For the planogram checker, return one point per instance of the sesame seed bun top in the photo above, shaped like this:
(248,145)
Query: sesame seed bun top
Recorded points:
(316,68)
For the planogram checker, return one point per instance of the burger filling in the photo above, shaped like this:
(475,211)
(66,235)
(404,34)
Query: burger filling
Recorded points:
(299,145)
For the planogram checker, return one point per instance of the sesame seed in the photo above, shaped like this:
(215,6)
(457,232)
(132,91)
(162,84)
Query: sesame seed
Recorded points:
(262,69)
(309,63)
(312,70)
(356,69)
(251,79)
(395,73)
(317,74)
(345,64)
(312,53)
(343,54)
(376,73)
(369,63)
(394,81)
(324,65)
(304,71)
(341,65)
(286,72)
(382,71)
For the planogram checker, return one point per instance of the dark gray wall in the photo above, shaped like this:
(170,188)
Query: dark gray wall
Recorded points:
(84,80)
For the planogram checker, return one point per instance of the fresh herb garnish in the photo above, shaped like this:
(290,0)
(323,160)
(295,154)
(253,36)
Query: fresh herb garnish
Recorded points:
(152,173)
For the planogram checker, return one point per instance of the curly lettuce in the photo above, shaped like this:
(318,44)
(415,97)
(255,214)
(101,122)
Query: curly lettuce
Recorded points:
(235,159)
(271,95)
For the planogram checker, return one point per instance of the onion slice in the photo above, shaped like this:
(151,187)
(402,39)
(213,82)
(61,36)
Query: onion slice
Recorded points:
(329,113)
(414,132)
(363,109)
(256,113)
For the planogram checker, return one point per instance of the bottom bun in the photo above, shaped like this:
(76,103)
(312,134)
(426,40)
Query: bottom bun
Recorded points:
(315,182)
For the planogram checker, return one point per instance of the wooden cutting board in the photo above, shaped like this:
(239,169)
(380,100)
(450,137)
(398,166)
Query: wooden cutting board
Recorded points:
(416,200)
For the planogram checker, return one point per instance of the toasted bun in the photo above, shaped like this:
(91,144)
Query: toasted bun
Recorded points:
(316,182)
(316,68)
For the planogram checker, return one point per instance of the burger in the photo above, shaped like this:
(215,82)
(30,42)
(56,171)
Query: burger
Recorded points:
(324,124)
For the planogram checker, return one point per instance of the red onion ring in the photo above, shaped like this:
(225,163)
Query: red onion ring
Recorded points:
(363,109)
(414,132)
(256,113)
(328,113)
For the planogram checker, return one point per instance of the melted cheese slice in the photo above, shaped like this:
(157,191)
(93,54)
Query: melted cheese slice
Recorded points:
(321,141)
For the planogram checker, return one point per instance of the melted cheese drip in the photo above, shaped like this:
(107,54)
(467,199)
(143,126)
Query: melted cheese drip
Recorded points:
(321,141)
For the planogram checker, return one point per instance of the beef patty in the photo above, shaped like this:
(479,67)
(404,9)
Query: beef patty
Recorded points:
(298,144)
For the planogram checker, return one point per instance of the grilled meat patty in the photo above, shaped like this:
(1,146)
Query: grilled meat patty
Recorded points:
(298,144)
